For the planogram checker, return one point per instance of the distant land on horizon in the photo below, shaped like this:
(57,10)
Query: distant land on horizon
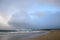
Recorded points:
(8,31)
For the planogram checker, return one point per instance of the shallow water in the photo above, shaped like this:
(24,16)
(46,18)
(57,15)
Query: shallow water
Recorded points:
(19,36)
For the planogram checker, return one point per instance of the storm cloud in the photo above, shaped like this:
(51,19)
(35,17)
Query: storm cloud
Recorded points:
(42,14)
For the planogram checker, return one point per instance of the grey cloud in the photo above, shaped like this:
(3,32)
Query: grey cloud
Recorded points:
(22,5)
(16,12)
(47,21)
(4,27)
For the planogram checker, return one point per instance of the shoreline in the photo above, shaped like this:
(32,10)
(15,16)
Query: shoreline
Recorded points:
(52,35)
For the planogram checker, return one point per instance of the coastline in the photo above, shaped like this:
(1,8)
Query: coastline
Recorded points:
(52,35)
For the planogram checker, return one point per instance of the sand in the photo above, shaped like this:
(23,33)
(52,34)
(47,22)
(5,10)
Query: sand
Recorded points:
(52,35)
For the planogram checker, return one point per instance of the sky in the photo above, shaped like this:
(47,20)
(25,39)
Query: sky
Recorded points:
(35,14)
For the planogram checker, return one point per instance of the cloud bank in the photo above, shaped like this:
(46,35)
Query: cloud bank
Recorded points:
(30,14)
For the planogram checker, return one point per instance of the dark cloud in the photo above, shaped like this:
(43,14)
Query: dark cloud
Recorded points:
(30,13)
(47,21)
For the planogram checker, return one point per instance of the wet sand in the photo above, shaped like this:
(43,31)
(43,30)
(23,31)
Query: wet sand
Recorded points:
(45,35)
(21,36)
(52,35)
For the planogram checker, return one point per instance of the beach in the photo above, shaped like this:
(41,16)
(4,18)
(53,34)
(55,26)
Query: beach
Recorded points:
(42,35)
(52,35)
(20,35)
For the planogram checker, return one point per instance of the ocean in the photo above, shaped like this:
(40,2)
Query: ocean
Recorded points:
(19,35)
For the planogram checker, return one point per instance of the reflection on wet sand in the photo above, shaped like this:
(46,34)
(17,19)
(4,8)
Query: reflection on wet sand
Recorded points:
(20,36)
(52,35)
